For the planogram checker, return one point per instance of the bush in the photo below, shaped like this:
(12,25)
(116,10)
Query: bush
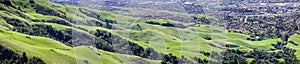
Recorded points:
(207,38)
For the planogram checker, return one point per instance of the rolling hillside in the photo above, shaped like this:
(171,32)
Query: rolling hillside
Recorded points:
(52,51)
(66,34)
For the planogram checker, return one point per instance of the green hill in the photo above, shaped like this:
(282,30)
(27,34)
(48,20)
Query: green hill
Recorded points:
(67,34)
(17,15)
(52,51)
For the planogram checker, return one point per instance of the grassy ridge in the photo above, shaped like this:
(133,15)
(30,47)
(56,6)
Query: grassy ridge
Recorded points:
(187,41)
(36,46)
(52,51)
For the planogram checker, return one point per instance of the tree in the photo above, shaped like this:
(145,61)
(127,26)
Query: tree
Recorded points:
(36,60)
(24,57)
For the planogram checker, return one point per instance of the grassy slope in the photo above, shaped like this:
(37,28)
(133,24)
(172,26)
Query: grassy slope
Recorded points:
(52,51)
(295,38)
(187,41)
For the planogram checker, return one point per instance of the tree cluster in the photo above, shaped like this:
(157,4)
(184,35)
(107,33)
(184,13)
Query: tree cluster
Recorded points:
(10,57)
(118,44)
(166,24)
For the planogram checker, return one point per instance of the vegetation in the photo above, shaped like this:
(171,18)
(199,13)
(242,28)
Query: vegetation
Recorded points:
(38,31)
(9,56)
(202,16)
